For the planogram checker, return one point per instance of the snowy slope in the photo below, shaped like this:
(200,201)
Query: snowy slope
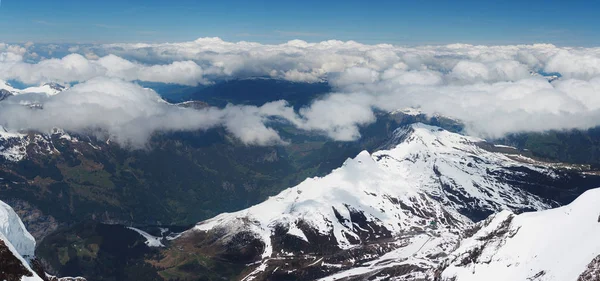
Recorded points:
(15,146)
(151,241)
(17,240)
(360,185)
(556,244)
(456,171)
(14,231)
(12,145)
(387,199)
(7,87)
(49,89)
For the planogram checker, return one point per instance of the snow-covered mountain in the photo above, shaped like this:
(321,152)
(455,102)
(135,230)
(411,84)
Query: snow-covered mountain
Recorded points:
(15,146)
(17,247)
(4,94)
(557,244)
(397,211)
(49,89)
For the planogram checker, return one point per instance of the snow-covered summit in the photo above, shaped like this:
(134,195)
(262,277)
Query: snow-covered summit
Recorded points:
(49,89)
(424,175)
(457,171)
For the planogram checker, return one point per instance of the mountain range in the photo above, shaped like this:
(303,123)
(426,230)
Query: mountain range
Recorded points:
(414,199)
(399,213)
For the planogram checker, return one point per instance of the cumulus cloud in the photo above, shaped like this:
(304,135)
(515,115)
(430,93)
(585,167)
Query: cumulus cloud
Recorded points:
(495,90)
(77,68)
(490,109)
(580,63)
(129,114)
(178,72)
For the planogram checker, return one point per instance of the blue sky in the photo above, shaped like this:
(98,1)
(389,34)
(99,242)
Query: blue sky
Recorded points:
(571,23)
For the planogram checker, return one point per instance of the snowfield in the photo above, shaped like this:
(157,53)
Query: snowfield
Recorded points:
(49,89)
(550,245)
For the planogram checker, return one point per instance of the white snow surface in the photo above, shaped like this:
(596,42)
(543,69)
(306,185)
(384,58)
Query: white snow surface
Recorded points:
(551,245)
(151,241)
(460,163)
(374,184)
(47,89)
(12,228)
(6,86)
(412,111)
(415,252)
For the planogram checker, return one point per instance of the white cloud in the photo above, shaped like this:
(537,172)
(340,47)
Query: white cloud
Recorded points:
(491,88)
(580,63)
(178,72)
(77,68)
(129,114)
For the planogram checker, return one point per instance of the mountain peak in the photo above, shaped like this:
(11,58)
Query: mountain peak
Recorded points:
(424,175)
(49,89)
(54,86)
(458,171)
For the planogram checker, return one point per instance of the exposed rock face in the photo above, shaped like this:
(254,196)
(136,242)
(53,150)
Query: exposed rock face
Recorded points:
(36,222)
(592,272)
(55,86)
(4,94)
(194,104)
(11,267)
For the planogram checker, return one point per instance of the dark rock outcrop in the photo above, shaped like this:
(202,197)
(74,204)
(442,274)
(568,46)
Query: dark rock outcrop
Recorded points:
(11,268)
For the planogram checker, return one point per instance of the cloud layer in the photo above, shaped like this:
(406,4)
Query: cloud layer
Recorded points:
(495,90)
(129,114)
(77,68)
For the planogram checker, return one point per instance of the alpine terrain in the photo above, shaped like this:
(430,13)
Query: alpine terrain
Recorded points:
(299,140)
(423,202)
(557,244)
(17,251)
(407,211)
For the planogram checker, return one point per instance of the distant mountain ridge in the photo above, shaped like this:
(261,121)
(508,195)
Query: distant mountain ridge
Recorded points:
(49,89)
